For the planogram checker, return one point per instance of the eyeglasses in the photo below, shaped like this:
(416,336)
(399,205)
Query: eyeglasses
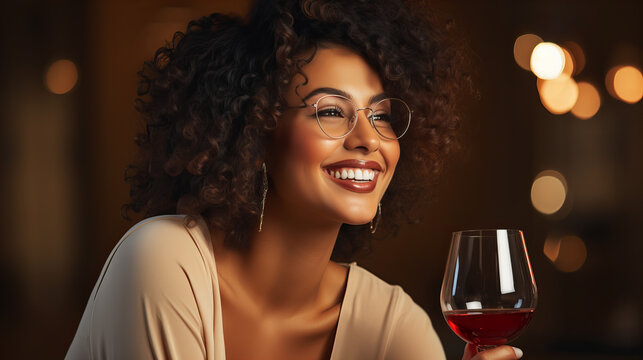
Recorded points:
(337,116)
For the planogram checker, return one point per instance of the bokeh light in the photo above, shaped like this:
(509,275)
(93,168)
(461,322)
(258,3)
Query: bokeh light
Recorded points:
(547,60)
(61,76)
(548,192)
(558,95)
(628,84)
(588,103)
(567,253)
(523,46)
(568,69)
(551,248)
(577,54)
(609,81)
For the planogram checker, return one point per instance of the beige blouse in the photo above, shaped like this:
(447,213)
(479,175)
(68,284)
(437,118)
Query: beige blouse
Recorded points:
(157,297)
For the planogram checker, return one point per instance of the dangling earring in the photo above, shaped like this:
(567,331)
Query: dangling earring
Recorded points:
(265,192)
(377,218)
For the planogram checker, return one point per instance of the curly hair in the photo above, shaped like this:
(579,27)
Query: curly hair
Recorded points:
(211,98)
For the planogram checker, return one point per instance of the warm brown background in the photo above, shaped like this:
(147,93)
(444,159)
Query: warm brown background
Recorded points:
(63,156)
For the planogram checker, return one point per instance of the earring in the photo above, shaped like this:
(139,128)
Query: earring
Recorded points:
(265,192)
(377,218)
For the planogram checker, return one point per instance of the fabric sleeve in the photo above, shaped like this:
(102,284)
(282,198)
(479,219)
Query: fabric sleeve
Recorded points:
(413,336)
(146,306)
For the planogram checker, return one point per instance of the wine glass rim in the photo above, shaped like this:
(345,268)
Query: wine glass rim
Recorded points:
(485,232)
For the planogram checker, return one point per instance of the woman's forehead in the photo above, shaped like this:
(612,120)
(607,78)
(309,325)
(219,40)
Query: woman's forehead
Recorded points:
(339,68)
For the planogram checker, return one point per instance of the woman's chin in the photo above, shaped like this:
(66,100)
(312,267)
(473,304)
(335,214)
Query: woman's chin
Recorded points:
(358,220)
(357,215)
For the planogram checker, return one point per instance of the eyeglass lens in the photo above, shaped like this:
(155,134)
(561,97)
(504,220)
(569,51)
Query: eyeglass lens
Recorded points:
(336,116)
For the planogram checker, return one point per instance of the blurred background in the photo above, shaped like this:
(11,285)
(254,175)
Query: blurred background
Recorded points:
(553,146)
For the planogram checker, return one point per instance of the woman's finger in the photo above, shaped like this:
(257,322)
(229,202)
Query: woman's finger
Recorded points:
(499,353)
(470,351)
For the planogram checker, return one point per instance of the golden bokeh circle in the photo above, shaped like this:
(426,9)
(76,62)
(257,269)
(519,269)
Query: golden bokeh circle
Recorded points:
(61,76)
(572,254)
(523,46)
(558,95)
(588,103)
(628,84)
(547,60)
(548,192)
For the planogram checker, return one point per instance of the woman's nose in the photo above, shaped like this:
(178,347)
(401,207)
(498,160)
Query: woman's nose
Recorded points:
(363,137)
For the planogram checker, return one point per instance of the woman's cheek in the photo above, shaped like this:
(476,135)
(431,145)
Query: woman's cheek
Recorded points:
(391,153)
(309,146)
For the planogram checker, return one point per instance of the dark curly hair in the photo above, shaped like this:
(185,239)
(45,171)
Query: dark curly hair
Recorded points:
(211,98)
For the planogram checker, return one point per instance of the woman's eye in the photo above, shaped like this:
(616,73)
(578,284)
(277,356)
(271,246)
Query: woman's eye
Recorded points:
(335,112)
(382,117)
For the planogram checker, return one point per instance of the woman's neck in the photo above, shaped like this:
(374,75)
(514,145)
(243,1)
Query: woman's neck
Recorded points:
(287,267)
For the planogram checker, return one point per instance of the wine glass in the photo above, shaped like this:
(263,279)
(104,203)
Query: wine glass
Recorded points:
(488,291)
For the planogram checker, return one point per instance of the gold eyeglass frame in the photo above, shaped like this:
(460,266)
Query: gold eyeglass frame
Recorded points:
(370,118)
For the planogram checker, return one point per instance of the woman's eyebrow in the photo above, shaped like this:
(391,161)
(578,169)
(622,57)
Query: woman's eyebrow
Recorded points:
(333,91)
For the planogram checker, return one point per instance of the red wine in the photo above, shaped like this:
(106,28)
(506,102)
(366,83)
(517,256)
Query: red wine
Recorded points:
(488,326)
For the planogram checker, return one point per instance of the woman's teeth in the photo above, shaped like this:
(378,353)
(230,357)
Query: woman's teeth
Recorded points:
(353,174)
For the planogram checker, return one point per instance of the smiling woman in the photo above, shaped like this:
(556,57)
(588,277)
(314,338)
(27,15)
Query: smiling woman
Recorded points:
(213,100)
(301,155)
(269,156)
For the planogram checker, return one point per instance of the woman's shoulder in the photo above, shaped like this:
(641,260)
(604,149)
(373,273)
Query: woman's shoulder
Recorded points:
(407,328)
(161,244)
(369,287)
(163,236)
(154,295)
(157,258)
(161,230)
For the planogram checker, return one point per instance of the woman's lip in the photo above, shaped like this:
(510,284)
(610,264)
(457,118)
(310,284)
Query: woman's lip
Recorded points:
(355,163)
(359,187)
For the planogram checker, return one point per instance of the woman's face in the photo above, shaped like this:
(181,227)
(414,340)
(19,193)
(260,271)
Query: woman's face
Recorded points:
(304,163)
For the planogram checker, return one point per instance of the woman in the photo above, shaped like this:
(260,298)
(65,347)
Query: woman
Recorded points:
(275,140)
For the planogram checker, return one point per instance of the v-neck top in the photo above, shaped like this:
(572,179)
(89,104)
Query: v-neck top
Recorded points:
(157,297)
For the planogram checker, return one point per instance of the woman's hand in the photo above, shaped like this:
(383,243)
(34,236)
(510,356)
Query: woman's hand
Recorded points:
(503,352)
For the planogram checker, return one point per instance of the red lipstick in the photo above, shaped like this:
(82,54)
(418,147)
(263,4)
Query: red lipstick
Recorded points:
(352,184)
(354,163)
